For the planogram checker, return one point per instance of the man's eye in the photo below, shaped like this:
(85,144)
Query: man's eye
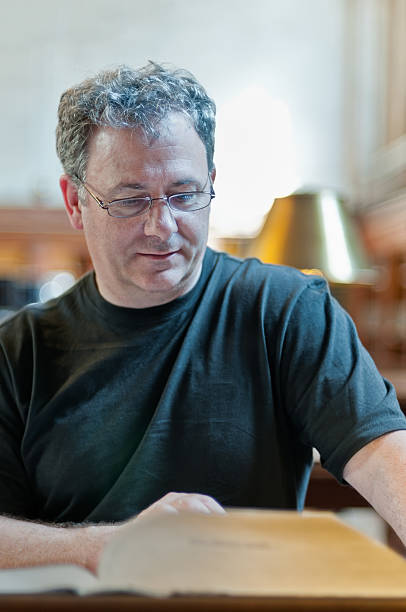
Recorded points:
(183,198)
(131,203)
(128,208)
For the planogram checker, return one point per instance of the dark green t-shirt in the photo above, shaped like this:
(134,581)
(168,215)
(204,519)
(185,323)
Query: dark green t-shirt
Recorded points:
(223,391)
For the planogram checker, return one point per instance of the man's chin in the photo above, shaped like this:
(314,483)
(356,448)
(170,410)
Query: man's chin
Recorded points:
(144,288)
(167,284)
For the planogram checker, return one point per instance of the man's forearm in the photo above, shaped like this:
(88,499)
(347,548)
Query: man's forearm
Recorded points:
(24,543)
(378,472)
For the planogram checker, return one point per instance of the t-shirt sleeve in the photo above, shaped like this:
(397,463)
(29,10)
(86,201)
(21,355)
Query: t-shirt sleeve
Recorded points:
(334,395)
(16,496)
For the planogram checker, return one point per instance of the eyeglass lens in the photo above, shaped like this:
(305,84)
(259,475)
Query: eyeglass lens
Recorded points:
(181,202)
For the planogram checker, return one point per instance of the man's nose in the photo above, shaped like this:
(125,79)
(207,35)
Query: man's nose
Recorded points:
(160,221)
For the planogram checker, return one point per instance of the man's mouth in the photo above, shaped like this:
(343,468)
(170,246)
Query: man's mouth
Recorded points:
(158,255)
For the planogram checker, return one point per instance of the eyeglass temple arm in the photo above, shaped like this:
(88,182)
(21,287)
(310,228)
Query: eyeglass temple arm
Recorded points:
(212,193)
(90,192)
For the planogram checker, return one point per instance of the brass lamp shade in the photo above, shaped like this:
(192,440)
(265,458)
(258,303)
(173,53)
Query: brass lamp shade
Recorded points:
(313,231)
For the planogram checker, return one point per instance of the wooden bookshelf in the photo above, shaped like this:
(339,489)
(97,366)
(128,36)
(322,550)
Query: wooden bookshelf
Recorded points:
(36,241)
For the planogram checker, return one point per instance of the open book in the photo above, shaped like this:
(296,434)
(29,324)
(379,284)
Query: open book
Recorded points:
(245,552)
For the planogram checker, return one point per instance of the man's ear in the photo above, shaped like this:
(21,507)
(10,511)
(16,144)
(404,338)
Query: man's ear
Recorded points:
(213,174)
(70,196)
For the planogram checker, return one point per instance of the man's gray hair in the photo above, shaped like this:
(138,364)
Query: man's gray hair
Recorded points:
(128,98)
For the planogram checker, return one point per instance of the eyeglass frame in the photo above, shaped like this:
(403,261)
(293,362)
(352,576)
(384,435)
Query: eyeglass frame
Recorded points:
(105,205)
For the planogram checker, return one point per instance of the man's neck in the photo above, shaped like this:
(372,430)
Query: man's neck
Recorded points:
(136,297)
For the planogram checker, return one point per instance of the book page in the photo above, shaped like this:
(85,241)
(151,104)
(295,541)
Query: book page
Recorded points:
(242,553)
(248,553)
(46,578)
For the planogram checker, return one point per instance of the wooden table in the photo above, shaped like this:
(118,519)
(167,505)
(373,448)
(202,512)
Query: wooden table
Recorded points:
(116,603)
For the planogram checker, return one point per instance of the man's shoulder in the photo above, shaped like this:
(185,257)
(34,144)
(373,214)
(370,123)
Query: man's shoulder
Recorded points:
(251,273)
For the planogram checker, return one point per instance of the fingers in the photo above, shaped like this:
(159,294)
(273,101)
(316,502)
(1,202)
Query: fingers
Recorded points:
(174,503)
(192,502)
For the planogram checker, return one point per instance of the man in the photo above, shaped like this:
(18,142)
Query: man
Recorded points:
(172,367)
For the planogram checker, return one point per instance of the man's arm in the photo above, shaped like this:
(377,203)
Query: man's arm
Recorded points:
(24,543)
(378,473)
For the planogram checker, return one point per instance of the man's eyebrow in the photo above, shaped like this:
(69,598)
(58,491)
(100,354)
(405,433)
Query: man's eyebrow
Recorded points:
(186,181)
(143,187)
(121,186)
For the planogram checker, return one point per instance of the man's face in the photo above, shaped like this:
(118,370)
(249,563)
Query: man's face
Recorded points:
(155,257)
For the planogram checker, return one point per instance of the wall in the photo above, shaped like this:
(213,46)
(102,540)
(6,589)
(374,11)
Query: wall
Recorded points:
(291,52)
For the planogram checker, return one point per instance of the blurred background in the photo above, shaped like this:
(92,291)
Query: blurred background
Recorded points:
(311,98)
(311,139)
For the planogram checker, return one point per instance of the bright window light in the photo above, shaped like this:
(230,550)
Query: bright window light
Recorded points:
(255,159)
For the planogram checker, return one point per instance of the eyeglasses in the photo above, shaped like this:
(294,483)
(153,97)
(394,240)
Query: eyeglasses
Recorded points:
(189,201)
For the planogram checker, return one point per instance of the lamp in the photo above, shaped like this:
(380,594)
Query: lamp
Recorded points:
(313,232)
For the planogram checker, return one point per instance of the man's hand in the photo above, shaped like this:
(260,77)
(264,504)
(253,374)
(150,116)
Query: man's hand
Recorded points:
(183,502)
(172,503)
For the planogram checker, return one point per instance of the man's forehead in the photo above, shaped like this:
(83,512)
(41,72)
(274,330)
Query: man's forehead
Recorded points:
(173,125)
(122,154)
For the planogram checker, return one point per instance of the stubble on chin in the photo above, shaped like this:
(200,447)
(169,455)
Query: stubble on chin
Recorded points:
(139,284)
